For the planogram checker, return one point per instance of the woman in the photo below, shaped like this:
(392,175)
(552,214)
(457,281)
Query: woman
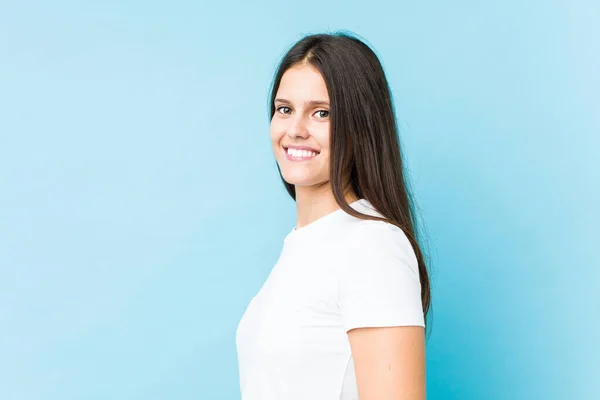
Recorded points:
(342,313)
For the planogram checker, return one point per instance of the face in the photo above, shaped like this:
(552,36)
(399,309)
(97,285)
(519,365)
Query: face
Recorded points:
(300,127)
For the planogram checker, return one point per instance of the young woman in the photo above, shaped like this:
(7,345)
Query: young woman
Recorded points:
(342,313)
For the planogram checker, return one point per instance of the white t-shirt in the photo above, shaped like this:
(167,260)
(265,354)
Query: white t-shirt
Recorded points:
(334,274)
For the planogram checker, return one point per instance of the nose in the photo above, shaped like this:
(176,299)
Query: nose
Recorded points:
(298,128)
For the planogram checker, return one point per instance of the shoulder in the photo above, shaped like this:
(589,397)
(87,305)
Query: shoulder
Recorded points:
(379,284)
(380,239)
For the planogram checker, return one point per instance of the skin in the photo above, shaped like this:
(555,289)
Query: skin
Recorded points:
(389,361)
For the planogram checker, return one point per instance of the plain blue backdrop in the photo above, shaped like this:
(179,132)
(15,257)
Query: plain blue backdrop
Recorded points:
(141,209)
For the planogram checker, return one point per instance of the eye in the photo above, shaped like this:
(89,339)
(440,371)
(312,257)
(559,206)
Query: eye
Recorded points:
(284,109)
(322,113)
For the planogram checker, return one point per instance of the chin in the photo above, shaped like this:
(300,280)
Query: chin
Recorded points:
(295,179)
(298,180)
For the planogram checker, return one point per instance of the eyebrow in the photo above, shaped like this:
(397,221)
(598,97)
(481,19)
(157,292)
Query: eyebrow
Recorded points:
(310,103)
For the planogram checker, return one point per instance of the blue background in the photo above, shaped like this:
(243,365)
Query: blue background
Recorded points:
(141,208)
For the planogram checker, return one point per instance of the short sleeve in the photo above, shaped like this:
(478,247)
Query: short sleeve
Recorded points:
(379,285)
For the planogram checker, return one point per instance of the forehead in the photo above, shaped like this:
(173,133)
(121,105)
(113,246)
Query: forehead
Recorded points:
(302,83)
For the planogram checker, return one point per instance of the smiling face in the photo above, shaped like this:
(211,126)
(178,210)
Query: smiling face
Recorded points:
(300,127)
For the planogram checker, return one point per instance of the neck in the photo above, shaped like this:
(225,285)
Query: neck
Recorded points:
(313,202)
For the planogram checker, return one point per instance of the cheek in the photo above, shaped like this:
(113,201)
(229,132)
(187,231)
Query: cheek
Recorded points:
(321,134)
(276,130)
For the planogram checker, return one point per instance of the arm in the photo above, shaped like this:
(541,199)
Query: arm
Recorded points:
(389,362)
(380,305)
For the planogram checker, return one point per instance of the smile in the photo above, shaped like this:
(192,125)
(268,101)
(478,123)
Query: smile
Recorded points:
(299,155)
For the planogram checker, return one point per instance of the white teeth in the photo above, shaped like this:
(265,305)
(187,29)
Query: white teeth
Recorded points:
(301,153)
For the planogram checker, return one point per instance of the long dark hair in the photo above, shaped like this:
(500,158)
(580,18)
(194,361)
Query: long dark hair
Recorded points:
(364,142)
